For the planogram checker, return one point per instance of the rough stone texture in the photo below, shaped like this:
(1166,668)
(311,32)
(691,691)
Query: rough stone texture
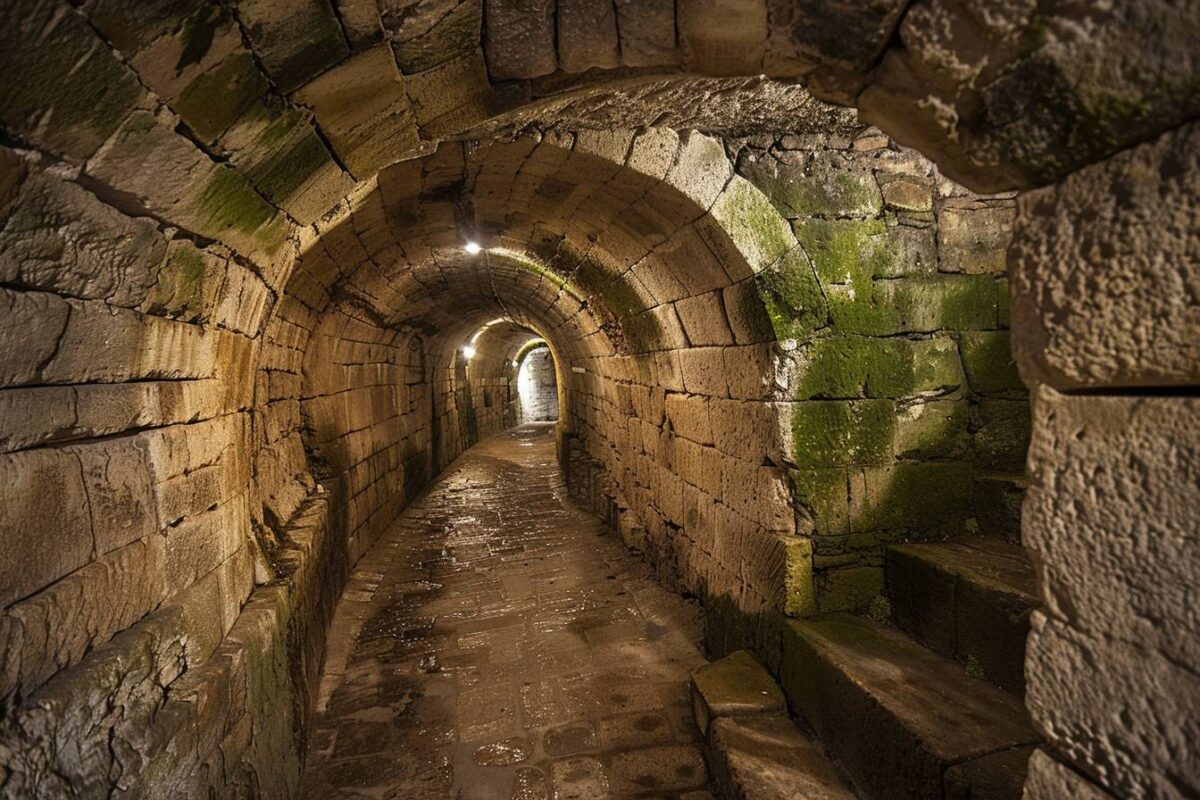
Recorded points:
(762,758)
(519,38)
(538,387)
(735,686)
(1109,568)
(647,32)
(722,37)
(1000,776)
(1104,266)
(587,35)
(365,111)
(1049,779)
(1021,95)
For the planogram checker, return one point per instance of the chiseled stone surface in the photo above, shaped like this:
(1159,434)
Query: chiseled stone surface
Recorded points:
(1106,271)
(499,642)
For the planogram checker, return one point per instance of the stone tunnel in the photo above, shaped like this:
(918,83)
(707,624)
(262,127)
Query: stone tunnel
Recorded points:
(572,399)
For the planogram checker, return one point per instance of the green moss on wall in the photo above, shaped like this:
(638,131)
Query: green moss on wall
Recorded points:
(791,297)
(214,100)
(842,432)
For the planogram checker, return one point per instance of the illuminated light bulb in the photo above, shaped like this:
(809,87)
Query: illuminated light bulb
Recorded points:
(473,248)
(468,352)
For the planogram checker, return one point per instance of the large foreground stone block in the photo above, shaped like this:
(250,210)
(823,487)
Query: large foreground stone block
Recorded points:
(1123,715)
(1113,501)
(1106,271)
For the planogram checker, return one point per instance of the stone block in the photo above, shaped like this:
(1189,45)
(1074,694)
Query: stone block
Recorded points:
(80,83)
(26,519)
(1050,780)
(116,478)
(723,37)
(933,430)
(1119,713)
(424,36)
(1104,270)
(841,674)
(647,32)
(844,35)
(587,35)
(855,366)
(1001,430)
(828,433)
(364,110)
(519,38)
(995,777)
(850,589)
(31,327)
(734,686)
(896,498)
(989,363)
(973,237)
(1112,565)
(294,40)
(764,758)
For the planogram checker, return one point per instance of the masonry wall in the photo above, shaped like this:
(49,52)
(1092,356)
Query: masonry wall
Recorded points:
(906,419)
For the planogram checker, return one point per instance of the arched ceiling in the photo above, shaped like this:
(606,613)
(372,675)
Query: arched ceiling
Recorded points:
(590,240)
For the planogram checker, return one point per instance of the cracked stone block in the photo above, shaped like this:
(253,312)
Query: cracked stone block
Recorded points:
(762,758)
(295,40)
(587,35)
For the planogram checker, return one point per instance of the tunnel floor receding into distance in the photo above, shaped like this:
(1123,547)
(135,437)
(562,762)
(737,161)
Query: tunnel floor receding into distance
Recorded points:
(499,642)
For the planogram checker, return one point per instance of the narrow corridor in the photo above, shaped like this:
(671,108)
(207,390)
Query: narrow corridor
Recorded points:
(499,642)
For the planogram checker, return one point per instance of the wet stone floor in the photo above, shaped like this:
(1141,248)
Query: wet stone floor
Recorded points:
(499,642)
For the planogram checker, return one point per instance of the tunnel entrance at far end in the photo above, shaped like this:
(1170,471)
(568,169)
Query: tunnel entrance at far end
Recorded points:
(537,385)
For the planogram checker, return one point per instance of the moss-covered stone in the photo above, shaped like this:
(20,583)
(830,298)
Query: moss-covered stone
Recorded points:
(822,494)
(987,358)
(842,432)
(186,284)
(227,202)
(858,366)
(849,589)
(934,430)
(791,297)
(761,235)
(928,499)
(212,102)
(831,186)
(1002,430)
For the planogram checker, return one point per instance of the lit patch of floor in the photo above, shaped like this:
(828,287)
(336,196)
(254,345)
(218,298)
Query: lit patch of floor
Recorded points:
(501,643)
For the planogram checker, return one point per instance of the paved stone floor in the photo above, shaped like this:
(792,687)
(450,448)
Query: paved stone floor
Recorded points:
(501,643)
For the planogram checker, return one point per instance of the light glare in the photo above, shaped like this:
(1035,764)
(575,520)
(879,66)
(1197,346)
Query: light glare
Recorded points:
(468,352)
(472,247)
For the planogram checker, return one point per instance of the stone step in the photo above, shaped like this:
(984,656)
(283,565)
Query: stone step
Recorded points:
(768,758)
(967,599)
(896,715)
(755,751)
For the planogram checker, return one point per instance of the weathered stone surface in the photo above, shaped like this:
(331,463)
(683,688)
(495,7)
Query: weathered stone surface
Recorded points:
(1000,776)
(1119,713)
(763,758)
(30,478)
(722,37)
(294,40)
(1112,566)
(58,237)
(424,35)
(647,32)
(364,110)
(1105,271)
(62,73)
(973,236)
(1049,779)
(587,35)
(361,21)
(1020,96)
(519,38)
(848,36)
(735,686)
(919,709)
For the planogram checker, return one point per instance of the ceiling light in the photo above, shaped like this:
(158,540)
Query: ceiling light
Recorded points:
(472,247)
(468,352)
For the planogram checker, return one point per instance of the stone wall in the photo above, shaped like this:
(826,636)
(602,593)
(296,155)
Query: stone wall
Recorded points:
(1106,325)
(905,417)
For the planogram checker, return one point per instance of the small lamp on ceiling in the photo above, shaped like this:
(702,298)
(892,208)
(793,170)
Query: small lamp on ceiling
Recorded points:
(472,247)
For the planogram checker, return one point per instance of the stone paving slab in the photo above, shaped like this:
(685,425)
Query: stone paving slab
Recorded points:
(499,642)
